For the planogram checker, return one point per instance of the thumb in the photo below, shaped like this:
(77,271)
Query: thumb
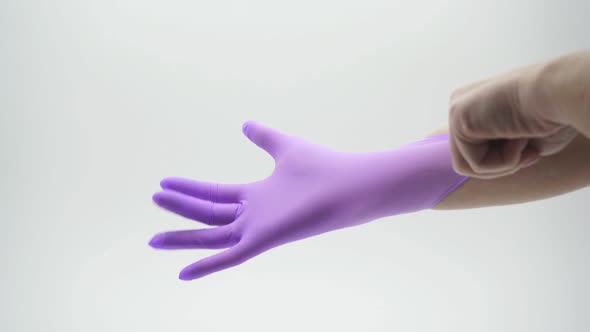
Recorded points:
(266,138)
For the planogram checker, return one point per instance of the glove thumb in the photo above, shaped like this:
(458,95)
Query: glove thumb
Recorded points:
(266,138)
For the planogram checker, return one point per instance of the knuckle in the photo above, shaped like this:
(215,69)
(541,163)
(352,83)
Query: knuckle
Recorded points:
(465,125)
(233,235)
(454,107)
(479,168)
(459,165)
(238,211)
(462,169)
(455,95)
(461,120)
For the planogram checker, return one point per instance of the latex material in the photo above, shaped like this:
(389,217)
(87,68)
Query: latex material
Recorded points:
(312,190)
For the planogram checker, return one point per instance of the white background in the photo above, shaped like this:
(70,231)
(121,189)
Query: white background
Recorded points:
(101,99)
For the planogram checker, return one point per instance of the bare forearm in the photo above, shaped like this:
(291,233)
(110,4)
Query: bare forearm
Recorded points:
(564,172)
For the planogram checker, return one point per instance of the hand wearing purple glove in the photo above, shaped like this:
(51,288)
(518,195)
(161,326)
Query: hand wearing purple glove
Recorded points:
(312,190)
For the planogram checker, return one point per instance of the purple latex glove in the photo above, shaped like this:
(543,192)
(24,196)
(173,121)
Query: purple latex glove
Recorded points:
(312,190)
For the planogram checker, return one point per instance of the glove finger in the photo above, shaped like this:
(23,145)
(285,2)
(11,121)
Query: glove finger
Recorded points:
(207,212)
(212,238)
(231,257)
(268,139)
(214,192)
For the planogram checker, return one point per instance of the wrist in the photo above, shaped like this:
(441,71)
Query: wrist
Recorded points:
(420,175)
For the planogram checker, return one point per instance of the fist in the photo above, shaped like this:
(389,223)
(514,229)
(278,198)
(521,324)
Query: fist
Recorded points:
(502,124)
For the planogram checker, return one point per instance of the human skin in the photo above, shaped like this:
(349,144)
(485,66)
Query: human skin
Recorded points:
(560,173)
(504,123)
(522,136)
